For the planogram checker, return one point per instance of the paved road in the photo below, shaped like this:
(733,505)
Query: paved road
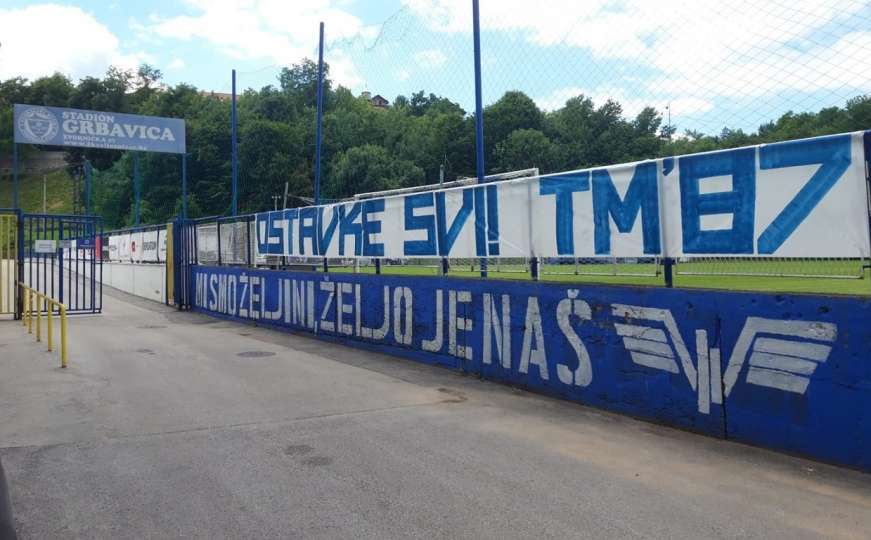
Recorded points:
(174,425)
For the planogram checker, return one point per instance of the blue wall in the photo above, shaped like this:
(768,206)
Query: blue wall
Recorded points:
(786,372)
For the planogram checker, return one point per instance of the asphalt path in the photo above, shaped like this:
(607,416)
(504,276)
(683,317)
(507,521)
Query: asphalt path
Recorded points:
(176,425)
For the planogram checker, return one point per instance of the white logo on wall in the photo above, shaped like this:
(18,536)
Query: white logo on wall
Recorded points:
(38,124)
(775,362)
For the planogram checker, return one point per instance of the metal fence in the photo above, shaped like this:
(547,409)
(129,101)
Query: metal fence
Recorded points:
(231,241)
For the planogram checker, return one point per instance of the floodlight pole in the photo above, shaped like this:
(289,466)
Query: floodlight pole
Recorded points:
(479,117)
(88,179)
(233,151)
(184,186)
(136,189)
(320,116)
(14,175)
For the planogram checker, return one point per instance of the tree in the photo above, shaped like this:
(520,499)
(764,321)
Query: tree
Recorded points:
(301,82)
(365,148)
(369,168)
(514,110)
(525,148)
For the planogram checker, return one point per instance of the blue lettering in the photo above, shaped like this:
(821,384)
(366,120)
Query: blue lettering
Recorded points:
(833,156)
(348,227)
(276,233)
(291,216)
(493,219)
(420,223)
(480,223)
(448,235)
(308,229)
(262,228)
(372,226)
(641,196)
(740,202)
(563,187)
(325,236)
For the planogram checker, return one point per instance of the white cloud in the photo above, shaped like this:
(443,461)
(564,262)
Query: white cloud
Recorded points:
(176,63)
(631,105)
(430,59)
(41,39)
(699,47)
(276,30)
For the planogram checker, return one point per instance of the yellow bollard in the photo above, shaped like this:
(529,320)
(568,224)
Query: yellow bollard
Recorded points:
(29,311)
(24,296)
(39,301)
(63,336)
(50,325)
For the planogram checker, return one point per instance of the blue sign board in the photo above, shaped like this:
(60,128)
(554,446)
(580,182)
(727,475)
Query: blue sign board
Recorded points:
(56,126)
(786,372)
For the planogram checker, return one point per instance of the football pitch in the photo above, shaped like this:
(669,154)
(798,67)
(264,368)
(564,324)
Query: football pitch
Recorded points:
(841,277)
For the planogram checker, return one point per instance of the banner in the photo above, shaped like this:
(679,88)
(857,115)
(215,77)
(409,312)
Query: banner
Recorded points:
(804,198)
(150,246)
(56,126)
(784,371)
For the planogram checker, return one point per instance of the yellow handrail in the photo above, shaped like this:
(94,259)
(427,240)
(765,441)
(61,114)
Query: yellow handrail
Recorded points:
(36,301)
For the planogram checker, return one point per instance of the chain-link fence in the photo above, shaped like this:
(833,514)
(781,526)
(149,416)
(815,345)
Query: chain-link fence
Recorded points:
(568,85)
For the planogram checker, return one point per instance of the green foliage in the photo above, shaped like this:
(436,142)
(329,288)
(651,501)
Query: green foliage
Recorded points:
(365,148)
(368,168)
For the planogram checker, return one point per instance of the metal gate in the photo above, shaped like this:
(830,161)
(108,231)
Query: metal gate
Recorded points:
(8,261)
(184,256)
(61,256)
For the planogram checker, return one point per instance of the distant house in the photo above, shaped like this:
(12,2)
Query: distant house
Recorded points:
(220,96)
(379,101)
(376,101)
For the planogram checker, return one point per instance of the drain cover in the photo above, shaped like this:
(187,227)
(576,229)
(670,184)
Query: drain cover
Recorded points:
(152,327)
(255,354)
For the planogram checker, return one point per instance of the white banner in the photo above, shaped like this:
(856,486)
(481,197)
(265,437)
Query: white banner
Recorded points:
(161,245)
(805,198)
(149,246)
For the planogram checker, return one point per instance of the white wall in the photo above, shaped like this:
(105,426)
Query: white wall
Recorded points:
(144,280)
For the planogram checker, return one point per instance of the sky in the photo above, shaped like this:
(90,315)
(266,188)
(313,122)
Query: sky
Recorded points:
(704,64)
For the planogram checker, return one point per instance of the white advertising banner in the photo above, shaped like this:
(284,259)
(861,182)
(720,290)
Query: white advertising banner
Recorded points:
(804,198)
(149,246)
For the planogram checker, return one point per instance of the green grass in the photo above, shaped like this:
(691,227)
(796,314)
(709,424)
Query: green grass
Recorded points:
(815,285)
(59,192)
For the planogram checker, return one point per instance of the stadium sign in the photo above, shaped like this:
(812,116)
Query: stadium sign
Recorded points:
(56,126)
(781,199)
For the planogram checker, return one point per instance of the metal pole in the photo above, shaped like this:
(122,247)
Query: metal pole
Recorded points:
(233,150)
(14,175)
(479,115)
(184,186)
(88,178)
(136,193)
(320,117)
(44,181)
(286,186)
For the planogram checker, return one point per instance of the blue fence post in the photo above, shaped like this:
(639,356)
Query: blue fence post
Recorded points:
(136,193)
(866,139)
(184,186)
(88,172)
(19,299)
(15,197)
(479,118)
(234,206)
(668,271)
(320,117)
